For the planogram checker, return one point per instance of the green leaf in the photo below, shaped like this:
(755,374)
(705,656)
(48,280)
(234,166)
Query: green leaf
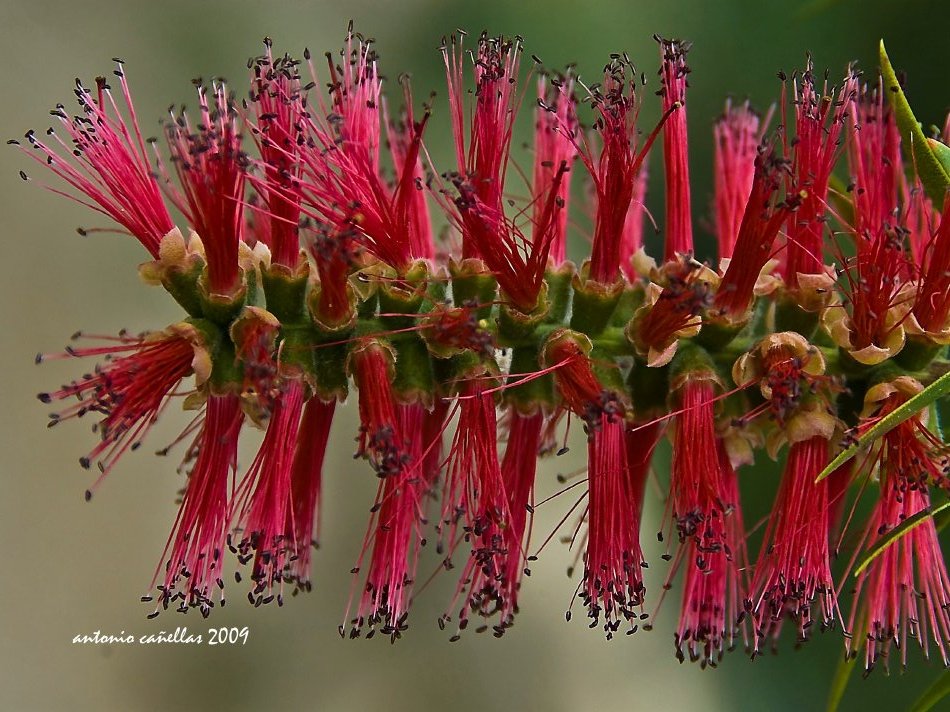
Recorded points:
(936,390)
(933,694)
(933,173)
(839,682)
(941,152)
(896,533)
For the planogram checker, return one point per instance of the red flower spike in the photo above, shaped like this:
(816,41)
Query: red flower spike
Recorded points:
(379,439)
(614,172)
(340,183)
(105,160)
(881,264)
(714,585)
(130,391)
(193,554)
(613,578)
(696,497)
(475,497)
(820,115)
(518,469)
(679,221)
(433,427)
(278,108)
(905,592)
(793,574)
(211,169)
(397,536)
(405,145)
(738,134)
(263,501)
(307,485)
(483,162)
(762,218)
(932,305)
(555,123)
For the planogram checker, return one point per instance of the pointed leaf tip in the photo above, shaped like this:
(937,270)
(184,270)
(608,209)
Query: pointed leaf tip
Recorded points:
(934,174)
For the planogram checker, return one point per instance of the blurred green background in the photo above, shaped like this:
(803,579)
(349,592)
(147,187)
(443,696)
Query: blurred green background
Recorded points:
(71,567)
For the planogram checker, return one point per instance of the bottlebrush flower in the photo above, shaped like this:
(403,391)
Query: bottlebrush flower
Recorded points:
(820,116)
(437,334)
(130,390)
(904,593)
(673,73)
(307,484)
(210,164)
(737,134)
(793,574)
(106,161)
(612,587)
(194,552)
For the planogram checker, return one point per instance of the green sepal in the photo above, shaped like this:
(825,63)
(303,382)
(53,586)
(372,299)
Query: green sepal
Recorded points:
(222,309)
(527,396)
(690,360)
(472,282)
(918,353)
(182,285)
(933,173)
(286,293)
(559,291)
(593,304)
(414,379)
(650,388)
(631,300)
(515,327)
(404,295)
(716,334)
(789,316)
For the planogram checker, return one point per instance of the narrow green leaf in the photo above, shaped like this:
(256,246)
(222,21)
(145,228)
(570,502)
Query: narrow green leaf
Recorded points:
(839,682)
(896,533)
(934,176)
(933,694)
(936,390)
(941,152)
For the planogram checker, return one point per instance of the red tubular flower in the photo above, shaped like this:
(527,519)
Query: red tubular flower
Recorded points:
(932,304)
(714,583)
(278,109)
(193,552)
(555,125)
(130,391)
(738,133)
(391,438)
(264,504)
(614,172)
(405,145)
(612,585)
(516,261)
(881,265)
(905,592)
(518,469)
(307,484)
(475,497)
(679,221)
(105,160)
(340,182)
(793,573)
(211,168)
(820,114)
(762,218)
(483,162)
